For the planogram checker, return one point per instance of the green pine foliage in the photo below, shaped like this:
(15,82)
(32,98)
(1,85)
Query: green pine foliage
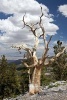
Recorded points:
(24,80)
(9,80)
(60,64)
(46,79)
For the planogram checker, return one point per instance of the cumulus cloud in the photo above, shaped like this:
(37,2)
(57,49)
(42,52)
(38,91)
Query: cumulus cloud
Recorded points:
(63,9)
(12,26)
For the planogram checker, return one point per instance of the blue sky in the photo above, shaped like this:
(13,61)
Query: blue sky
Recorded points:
(11,14)
(60,20)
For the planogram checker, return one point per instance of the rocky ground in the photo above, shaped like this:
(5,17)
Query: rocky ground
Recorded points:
(54,91)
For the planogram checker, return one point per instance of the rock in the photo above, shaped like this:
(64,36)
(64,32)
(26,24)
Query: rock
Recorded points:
(57,91)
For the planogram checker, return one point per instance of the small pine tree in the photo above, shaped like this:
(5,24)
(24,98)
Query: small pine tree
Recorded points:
(60,64)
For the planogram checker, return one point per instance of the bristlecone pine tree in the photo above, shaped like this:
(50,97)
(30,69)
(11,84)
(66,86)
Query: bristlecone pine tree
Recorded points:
(36,64)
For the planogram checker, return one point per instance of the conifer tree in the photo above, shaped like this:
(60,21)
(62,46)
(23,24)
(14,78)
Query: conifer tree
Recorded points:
(9,80)
(60,64)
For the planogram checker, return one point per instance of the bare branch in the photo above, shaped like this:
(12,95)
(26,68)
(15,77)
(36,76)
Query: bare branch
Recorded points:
(35,24)
(36,43)
(24,47)
(55,57)
(46,49)
(33,65)
(26,65)
(60,53)
(49,40)
(42,28)
(32,29)
(29,66)
(41,16)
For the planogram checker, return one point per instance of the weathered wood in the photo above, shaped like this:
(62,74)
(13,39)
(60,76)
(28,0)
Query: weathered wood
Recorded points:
(34,77)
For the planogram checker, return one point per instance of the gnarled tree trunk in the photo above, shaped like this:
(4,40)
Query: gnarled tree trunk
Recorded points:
(34,86)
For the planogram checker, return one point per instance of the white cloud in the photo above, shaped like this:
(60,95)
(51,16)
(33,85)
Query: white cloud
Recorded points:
(20,6)
(12,26)
(63,9)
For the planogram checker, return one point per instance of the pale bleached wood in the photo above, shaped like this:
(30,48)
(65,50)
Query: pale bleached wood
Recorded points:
(55,57)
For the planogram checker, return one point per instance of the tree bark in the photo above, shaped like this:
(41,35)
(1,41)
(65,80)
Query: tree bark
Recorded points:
(34,87)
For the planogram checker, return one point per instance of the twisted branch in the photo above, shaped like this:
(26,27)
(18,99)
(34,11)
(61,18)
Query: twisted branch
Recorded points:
(55,57)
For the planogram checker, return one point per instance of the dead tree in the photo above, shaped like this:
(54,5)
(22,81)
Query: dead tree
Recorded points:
(37,64)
